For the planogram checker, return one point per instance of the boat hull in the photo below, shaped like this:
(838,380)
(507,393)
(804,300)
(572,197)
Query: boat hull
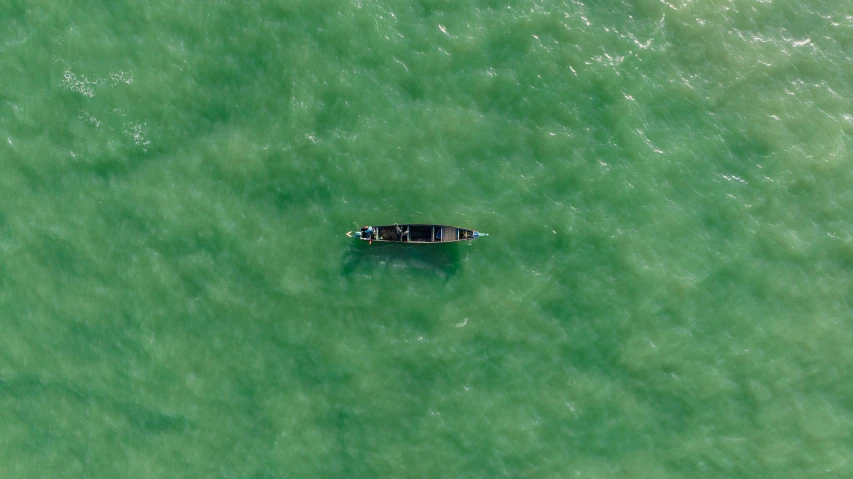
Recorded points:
(419,234)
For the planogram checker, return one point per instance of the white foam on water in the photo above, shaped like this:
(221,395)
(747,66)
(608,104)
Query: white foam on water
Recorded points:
(138,133)
(82,86)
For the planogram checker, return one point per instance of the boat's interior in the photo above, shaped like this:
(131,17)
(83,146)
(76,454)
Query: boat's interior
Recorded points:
(391,233)
(422,233)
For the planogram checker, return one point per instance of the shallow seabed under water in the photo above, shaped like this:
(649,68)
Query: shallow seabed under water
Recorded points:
(665,292)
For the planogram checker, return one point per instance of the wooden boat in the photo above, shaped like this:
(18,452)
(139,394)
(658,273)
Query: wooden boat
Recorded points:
(418,234)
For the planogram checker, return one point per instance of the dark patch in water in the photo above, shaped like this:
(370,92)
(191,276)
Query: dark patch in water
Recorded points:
(142,417)
(442,259)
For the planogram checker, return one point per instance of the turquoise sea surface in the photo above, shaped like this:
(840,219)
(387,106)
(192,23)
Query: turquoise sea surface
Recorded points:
(666,291)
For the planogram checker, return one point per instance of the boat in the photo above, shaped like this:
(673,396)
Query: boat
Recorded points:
(418,234)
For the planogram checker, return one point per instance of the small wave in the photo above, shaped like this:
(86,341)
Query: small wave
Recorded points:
(82,86)
(86,87)
(138,133)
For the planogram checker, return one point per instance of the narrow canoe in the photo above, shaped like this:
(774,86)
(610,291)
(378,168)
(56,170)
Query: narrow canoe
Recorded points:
(418,234)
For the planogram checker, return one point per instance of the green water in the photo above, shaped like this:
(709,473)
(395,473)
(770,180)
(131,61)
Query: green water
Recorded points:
(665,292)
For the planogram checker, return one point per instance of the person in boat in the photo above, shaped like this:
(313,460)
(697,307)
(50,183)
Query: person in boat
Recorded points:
(367,232)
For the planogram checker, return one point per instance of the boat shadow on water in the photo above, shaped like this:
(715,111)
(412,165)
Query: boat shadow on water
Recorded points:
(440,260)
